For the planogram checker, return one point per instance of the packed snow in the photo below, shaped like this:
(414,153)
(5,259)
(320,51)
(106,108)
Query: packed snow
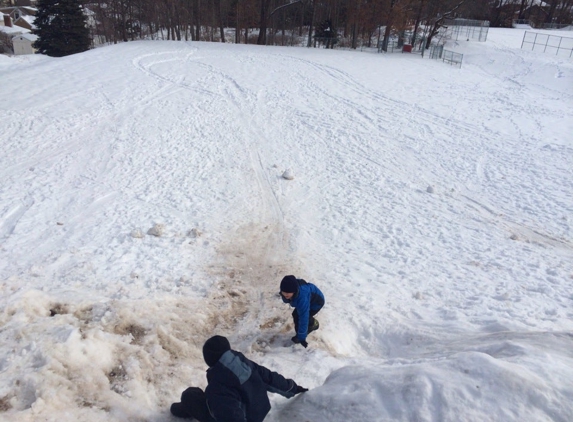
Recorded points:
(154,193)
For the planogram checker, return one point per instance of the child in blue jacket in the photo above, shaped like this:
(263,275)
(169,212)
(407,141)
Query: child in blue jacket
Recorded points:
(307,300)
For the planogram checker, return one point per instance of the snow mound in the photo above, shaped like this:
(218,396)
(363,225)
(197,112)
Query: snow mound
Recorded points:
(471,383)
(157,230)
(137,233)
(288,175)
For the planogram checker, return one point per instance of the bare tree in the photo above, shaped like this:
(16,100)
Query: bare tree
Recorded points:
(418,10)
(443,9)
(389,22)
(358,20)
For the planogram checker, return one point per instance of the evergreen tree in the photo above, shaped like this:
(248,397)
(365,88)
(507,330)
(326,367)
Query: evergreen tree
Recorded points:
(61,27)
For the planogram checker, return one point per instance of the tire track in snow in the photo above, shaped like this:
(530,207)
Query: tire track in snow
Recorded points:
(143,64)
(463,137)
(68,138)
(257,254)
(473,159)
(242,101)
(269,324)
(518,231)
(92,181)
(11,216)
(254,255)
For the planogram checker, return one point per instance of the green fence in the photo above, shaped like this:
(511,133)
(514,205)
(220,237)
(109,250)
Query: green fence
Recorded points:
(455,59)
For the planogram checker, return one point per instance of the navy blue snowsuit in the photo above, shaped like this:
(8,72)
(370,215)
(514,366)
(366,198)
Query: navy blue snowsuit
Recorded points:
(307,301)
(237,389)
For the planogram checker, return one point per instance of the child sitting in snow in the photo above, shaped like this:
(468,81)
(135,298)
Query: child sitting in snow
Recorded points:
(237,387)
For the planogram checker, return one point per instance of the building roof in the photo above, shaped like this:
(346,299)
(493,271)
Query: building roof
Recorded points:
(13,30)
(24,11)
(29,37)
(29,18)
(25,22)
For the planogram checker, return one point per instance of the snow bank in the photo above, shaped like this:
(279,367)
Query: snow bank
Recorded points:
(463,386)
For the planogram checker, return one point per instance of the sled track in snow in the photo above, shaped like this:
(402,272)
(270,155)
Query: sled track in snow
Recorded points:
(257,254)
(388,118)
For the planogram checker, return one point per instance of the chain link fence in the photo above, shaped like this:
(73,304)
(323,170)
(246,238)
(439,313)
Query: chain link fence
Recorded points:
(557,25)
(438,52)
(452,58)
(466,29)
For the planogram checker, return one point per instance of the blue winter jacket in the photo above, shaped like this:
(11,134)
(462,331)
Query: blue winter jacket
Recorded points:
(237,389)
(308,298)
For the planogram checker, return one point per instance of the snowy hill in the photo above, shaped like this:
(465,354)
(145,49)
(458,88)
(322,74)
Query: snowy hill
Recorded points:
(143,209)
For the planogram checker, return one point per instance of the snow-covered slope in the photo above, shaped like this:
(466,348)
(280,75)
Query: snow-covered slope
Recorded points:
(433,206)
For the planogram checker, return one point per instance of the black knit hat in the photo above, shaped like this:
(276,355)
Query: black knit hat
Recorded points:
(214,348)
(289,284)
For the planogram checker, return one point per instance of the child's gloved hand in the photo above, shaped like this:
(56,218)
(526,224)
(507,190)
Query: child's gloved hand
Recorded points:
(296,340)
(300,389)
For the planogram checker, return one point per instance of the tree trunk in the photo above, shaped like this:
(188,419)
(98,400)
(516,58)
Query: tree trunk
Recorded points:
(551,12)
(521,9)
(220,18)
(262,40)
(301,20)
(310,29)
(388,28)
(238,27)
(417,23)
(196,14)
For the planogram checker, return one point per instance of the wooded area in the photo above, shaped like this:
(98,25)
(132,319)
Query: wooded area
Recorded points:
(294,22)
(286,22)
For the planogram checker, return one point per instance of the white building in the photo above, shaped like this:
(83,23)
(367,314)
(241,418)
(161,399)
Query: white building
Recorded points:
(22,44)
